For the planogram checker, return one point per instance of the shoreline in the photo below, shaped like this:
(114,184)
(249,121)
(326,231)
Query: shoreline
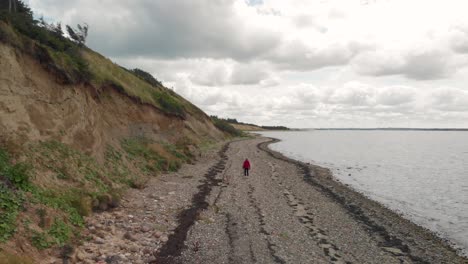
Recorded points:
(340,192)
(286,211)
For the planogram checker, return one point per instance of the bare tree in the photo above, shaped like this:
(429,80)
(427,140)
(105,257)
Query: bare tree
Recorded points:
(79,35)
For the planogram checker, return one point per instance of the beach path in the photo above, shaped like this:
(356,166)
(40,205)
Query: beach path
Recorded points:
(284,212)
(278,215)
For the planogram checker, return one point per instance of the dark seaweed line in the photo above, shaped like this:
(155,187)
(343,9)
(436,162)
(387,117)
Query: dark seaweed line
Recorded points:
(175,244)
(353,210)
(230,233)
(223,177)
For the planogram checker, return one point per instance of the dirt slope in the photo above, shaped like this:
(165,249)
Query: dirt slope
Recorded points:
(34,106)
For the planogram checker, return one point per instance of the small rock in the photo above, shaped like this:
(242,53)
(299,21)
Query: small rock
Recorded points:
(163,239)
(151,260)
(133,248)
(171,193)
(80,255)
(101,234)
(394,251)
(157,234)
(99,240)
(129,236)
(112,230)
(145,228)
(113,259)
(123,247)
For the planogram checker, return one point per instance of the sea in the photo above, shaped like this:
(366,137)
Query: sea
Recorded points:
(423,175)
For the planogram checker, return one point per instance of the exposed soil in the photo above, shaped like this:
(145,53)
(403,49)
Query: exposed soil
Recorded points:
(34,106)
(284,212)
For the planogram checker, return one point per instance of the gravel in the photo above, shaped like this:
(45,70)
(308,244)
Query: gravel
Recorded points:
(284,212)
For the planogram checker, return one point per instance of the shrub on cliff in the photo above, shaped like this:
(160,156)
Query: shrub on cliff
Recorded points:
(224,126)
(146,77)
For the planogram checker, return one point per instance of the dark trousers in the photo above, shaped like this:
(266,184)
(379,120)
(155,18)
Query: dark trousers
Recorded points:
(246,172)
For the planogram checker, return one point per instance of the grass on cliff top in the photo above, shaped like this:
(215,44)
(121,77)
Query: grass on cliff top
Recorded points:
(105,72)
(74,64)
(226,127)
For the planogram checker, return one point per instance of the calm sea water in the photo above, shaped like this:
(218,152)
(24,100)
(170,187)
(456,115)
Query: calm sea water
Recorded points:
(421,174)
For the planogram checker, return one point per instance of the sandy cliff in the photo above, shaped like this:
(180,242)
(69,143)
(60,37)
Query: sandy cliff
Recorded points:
(34,106)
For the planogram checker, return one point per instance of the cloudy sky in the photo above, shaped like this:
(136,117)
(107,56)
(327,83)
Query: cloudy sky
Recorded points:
(300,63)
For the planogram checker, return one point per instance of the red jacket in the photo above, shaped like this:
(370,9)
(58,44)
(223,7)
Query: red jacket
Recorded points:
(246,164)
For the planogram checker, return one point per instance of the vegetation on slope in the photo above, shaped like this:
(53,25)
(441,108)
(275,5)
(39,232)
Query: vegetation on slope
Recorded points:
(224,125)
(249,126)
(49,210)
(72,63)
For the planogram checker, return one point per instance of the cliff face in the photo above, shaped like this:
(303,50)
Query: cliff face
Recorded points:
(34,106)
(69,148)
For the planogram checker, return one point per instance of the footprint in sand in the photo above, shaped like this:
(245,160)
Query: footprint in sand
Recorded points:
(319,235)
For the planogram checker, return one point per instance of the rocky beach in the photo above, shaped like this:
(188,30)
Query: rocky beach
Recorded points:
(284,212)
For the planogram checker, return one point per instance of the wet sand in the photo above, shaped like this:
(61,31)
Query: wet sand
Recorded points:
(284,212)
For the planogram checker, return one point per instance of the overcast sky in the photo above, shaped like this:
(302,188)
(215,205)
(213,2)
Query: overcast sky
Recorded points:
(300,63)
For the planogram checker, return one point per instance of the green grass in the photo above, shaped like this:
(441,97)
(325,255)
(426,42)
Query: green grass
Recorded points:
(168,103)
(105,72)
(70,165)
(148,160)
(10,206)
(57,235)
(86,186)
(224,126)
(116,165)
(14,180)
(66,201)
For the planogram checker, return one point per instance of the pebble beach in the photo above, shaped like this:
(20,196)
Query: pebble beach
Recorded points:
(286,211)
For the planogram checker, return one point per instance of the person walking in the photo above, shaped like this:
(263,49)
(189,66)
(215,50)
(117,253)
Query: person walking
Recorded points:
(246,167)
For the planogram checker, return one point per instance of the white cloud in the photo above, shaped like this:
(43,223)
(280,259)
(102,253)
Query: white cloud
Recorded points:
(395,95)
(449,99)
(295,62)
(417,64)
(353,94)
